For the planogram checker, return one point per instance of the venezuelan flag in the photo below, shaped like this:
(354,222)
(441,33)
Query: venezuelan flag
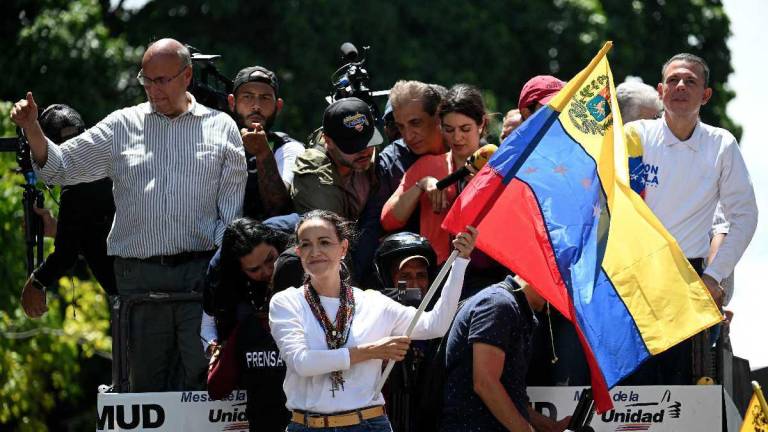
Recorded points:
(554,205)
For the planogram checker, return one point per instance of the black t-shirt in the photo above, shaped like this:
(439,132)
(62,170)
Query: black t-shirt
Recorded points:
(253,207)
(262,373)
(497,317)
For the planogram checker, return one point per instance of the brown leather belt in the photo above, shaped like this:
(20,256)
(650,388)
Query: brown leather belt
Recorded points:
(347,418)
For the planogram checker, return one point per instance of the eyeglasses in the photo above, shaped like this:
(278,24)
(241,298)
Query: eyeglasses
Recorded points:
(160,81)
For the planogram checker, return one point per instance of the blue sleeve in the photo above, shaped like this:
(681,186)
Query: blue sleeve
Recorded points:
(212,282)
(286,223)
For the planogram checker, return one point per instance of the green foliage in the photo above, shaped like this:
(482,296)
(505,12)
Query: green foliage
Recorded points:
(65,54)
(40,360)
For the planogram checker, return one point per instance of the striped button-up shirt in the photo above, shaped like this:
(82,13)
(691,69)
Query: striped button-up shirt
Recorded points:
(177,182)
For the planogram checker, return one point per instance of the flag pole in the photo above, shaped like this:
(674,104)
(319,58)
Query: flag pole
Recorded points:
(424,302)
(760,397)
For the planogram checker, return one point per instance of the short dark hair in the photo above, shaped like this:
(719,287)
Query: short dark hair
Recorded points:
(61,122)
(689,58)
(228,285)
(244,234)
(239,239)
(464,99)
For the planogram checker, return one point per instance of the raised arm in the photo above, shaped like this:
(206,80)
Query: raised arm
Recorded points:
(272,190)
(24,114)
(401,205)
(436,322)
(83,158)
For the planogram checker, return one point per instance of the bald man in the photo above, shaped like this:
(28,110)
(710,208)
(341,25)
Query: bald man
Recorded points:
(179,172)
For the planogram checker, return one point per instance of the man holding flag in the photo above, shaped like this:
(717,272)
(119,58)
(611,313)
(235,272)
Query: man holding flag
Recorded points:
(585,240)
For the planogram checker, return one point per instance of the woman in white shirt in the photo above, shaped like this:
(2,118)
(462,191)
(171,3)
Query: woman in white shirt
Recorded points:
(333,366)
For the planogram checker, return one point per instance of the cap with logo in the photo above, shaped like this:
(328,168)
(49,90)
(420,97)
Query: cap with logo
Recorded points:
(541,89)
(255,74)
(349,123)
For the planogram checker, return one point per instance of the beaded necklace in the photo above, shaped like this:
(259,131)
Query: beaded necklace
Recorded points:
(335,335)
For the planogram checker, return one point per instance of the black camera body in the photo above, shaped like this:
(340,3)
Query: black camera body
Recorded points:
(20,146)
(353,80)
(33,225)
(209,86)
(404,295)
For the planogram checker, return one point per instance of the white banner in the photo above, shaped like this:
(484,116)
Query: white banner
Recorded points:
(646,408)
(650,408)
(171,411)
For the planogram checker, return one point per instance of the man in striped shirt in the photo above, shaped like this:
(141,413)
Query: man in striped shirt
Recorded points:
(178,171)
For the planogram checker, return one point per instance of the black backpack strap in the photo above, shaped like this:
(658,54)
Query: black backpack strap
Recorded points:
(279,139)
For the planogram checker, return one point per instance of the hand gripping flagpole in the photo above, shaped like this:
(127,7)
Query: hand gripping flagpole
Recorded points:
(424,302)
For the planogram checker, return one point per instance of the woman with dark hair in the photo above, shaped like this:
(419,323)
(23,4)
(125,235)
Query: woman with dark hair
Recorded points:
(464,120)
(333,337)
(239,275)
(238,290)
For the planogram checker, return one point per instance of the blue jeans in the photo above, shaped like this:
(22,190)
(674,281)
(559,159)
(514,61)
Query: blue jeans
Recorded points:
(376,424)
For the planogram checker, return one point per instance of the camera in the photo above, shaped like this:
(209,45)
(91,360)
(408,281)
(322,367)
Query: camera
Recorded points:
(404,295)
(33,225)
(209,86)
(20,146)
(352,80)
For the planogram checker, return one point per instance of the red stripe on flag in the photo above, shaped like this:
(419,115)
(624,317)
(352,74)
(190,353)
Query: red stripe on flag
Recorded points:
(509,215)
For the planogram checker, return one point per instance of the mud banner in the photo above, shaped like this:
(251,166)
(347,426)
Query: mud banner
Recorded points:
(640,408)
(171,411)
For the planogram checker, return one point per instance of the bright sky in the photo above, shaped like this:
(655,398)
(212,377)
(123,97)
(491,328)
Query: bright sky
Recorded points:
(750,301)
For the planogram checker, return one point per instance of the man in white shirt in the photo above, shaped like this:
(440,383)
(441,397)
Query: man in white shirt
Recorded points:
(688,166)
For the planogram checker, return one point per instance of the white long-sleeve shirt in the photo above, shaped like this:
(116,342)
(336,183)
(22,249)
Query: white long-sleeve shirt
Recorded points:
(684,180)
(309,361)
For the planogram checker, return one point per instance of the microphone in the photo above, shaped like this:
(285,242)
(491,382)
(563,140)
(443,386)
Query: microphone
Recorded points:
(474,164)
(348,52)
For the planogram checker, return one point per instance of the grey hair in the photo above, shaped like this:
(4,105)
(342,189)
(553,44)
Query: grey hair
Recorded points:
(184,55)
(404,92)
(689,58)
(632,96)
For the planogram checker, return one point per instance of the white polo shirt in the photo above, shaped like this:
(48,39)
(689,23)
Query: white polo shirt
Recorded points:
(684,180)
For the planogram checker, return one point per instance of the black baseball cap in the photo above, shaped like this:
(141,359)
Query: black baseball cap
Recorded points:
(255,74)
(350,125)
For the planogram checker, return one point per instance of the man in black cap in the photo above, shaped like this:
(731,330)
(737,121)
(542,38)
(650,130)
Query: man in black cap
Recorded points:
(270,154)
(338,177)
(86,211)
